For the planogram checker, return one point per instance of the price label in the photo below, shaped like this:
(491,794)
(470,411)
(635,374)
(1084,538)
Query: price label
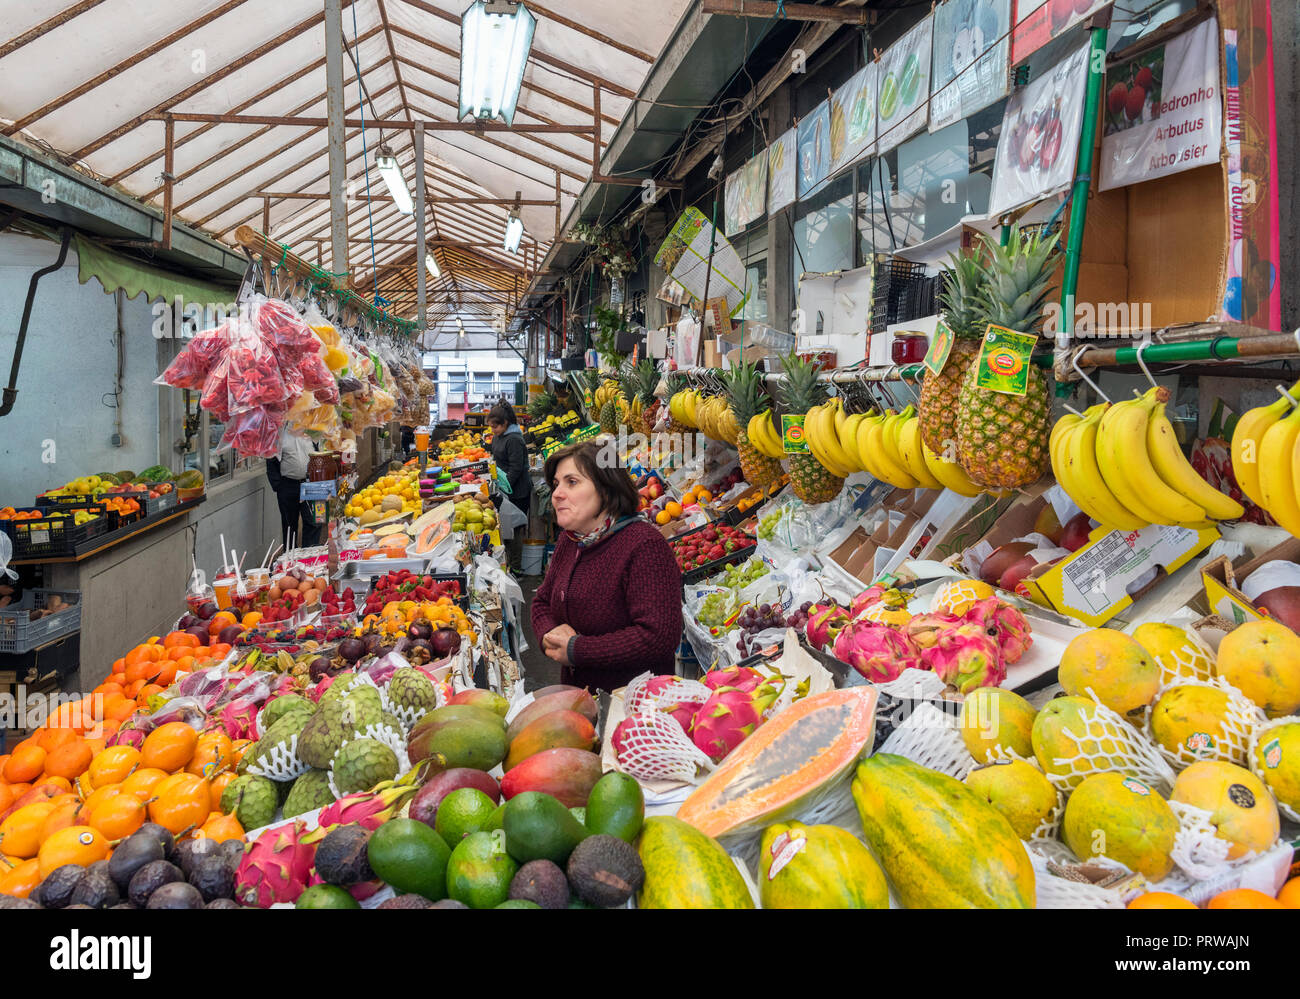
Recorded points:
(793,438)
(940,347)
(1003,364)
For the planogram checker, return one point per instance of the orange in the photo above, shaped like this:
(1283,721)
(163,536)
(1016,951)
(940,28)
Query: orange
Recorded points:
(63,816)
(25,764)
(3,760)
(18,790)
(219,650)
(106,688)
(180,638)
(138,672)
(251,619)
(69,761)
(6,796)
(1243,898)
(220,828)
(185,805)
(80,845)
(662,517)
(21,880)
(97,746)
(211,755)
(134,688)
(113,765)
(142,654)
(147,691)
(50,739)
(704,496)
(121,711)
(141,784)
(673,509)
(20,833)
(169,747)
(119,816)
(167,675)
(1289,896)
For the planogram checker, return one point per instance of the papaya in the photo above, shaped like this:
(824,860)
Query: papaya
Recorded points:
(1277,763)
(473,743)
(553,730)
(790,757)
(941,846)
(1262,660)
(616,807)
(1067,727)
(818,867)
(1018,790)
(1190,722)
(995,718)
(685,869)
(539,827)
(1119,671)
(1240,806)
(1175,651)
(579,700)
(1123,818)
(566,773)
(429,538)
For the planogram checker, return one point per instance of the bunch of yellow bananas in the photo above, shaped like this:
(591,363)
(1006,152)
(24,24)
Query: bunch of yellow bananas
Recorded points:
(1266,459)
(715,418)
(831,437)
(682,406)
(1123,466)
(764,437)
(608,391)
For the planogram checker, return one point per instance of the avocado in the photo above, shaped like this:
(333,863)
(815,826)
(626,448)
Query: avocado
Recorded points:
(149,878)
(542,882)
(213,877)
(96,888)
(605,871)
(616,806)
(413,902)
(326,897)
(134,852)
(14,902)
(341,856)
(176,895)
(55,892)
(539,827)
(518,903)
(448,903)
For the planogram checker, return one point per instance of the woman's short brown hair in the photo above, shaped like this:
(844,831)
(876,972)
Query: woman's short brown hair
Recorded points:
(618,495)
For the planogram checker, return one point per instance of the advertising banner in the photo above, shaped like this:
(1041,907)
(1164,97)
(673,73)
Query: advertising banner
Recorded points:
(782,157)
(687,252)
(1039,21)
(902,107)
(746,195)
(814,149)
(970,65)
(853,118)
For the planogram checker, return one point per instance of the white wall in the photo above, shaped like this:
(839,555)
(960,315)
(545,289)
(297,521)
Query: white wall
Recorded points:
(68,367)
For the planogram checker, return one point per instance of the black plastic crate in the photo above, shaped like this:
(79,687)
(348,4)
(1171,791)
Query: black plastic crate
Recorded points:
(55,537)
(717,565)
(898,290)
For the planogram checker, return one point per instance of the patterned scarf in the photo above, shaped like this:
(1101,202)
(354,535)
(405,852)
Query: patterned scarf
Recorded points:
(607,527)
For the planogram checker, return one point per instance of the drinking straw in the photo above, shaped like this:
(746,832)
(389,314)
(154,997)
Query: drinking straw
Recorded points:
(224,565)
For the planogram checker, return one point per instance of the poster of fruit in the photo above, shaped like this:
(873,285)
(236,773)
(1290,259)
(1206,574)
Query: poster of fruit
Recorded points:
(1039,142)
(781,156)
(904,87)
(814,149)
(971,50)
(746,194)
(692,245)
(853,118)
(1039,21)
(1163,110)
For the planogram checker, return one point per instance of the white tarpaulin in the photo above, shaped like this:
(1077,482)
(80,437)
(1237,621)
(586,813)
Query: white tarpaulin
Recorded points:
(901,109)
(1164,111)
(1039,142)
(782,157)
(970,58)
(853,118)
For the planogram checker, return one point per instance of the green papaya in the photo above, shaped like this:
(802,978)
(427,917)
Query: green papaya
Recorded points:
(818,867)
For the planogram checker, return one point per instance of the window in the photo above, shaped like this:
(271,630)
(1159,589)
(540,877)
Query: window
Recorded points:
(752,247)
(823,229)
(457,381)
(483,381)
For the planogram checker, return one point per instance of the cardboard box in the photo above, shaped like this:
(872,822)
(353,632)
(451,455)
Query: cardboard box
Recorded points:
(1093,584)
(712,356)
(751,355)
(1223,583)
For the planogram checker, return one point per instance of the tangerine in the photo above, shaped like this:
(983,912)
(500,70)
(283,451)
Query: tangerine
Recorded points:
(113,765)
(180,639)
(80,845)
(169,747)
(70,760)
(50,739)
(1243,898)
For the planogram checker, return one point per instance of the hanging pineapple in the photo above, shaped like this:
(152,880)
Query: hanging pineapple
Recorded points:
(963,311)
(800,392)
(677,384)
(646,377)
(747,400)
(589,380)
(1001,438)
(607,399)
(629,405)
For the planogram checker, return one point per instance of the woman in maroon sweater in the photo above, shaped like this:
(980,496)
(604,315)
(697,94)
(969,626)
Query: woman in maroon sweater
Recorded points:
(610,606)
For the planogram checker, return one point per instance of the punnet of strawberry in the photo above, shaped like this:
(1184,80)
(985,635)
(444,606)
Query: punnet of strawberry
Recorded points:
(716,541)
(402,584)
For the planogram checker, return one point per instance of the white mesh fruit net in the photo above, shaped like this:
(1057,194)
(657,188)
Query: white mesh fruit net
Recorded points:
(652,746)
(1264,754)
(380,733)
(929,737)
(1060,883)
(1198,851)
(637,697)
(280,762)
(1231,741)
(916,684)
(1107,743)
(1191,660)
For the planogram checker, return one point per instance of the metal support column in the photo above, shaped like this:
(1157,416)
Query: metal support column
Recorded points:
(421,277)
(337,151)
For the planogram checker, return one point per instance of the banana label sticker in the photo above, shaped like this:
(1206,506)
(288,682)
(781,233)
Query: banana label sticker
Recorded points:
(1003,364)
(793,438)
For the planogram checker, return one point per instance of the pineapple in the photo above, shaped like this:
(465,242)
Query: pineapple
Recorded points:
(800,392)
(589,380)
(1002,439)
(646,378)
(629,408)
(746,398)
(963,312)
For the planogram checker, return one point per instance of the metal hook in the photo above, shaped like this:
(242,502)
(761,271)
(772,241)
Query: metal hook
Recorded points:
(1288,396)
(1074,363)
(1142,364)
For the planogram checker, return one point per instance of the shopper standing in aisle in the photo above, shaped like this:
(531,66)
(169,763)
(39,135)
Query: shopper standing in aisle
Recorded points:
(610,606)
(287,473)
(515,483)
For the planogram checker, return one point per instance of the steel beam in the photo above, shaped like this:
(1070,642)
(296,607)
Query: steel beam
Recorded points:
(397,125)
(334,105)
(791,11)
(421,250)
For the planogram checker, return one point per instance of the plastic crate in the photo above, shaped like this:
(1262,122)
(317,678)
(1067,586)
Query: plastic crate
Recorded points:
(717,565)
(54,537)
(896,291)
(18,633)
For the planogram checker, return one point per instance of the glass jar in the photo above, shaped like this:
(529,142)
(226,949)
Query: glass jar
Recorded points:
(909,348)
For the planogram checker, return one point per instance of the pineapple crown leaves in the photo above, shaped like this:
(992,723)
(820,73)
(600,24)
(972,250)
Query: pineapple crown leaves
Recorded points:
(1019,275)
(962,295)
(745,392)
(801,391)
(646,378)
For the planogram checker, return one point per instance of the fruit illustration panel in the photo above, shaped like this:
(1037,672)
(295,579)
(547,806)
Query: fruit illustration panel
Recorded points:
(902,107)
(781,157)
(1039,21)
(1133,91)
(814,149)
(970,68)
(1039,142)
(853,118)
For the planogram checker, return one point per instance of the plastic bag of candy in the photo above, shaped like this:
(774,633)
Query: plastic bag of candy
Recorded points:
(255,432)
(254,375)
(216,391)
(282,328)
(194,363)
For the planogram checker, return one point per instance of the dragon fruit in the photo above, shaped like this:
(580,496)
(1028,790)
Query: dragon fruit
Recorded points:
(1005,624)
(867,598)
(730,716)
(658,691)
(275,867)
(877,651)
(127,735)
(744,678)
(924,629)
(238,718)
(370,808)
(966,657)
(825,622)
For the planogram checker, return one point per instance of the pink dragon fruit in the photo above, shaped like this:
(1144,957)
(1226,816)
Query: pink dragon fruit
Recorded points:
(867,598)
(966,657)
(370,808)
(656,691)
(127,735)
(683,712)
(744,678)
(730,716)
(877,651)
(825,622)
(238,717)
(924,629)
(1005,624)
(275,867)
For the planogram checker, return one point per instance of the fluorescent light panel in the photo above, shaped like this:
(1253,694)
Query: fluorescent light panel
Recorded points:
(514,233)
(496,37)
(395,182)
(432,264)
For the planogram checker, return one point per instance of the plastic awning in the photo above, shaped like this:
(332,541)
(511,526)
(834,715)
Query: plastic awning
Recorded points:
(117,271)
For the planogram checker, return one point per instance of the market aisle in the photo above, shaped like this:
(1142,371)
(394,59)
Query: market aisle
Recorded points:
(538,671)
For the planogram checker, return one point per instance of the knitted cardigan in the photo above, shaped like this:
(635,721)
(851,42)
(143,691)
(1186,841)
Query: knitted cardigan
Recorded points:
(623,597)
